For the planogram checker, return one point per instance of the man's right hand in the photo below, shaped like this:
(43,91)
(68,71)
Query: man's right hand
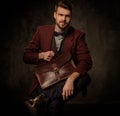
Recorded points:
(47,56)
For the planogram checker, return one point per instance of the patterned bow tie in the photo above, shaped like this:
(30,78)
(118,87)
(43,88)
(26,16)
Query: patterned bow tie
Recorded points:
(58,33)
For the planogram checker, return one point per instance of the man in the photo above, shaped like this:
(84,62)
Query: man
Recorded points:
(50,41)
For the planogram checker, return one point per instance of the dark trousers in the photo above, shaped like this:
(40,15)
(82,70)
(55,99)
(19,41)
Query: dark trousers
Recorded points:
(55,103)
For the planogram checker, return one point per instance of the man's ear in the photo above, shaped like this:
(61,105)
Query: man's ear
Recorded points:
(55,15)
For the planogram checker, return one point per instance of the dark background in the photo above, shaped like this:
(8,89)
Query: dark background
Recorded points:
(99,19)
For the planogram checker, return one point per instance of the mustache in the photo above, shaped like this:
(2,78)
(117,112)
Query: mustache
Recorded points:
(63,22)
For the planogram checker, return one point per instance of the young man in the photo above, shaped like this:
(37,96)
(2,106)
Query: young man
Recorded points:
(49,42)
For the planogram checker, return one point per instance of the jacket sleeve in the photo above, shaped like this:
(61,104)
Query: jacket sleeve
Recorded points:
(82,56)
(31,50)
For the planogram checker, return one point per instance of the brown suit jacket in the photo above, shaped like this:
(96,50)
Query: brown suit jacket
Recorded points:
(74,42)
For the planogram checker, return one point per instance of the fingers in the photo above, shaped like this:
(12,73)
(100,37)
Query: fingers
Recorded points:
(48,55)
(48,58)
(52,53)
(70,92)
(66,94)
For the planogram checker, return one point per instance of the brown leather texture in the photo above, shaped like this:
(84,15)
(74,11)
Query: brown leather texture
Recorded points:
(54,71)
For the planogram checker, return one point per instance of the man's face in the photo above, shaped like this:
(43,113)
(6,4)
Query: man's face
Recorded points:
(62,17)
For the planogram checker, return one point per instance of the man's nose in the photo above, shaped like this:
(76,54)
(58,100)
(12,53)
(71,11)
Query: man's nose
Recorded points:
(64,18)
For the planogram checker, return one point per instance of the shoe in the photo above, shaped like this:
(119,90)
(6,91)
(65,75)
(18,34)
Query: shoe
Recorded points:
(34,103)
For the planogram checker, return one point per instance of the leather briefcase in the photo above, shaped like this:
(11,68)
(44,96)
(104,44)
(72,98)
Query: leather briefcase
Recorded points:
(55,70)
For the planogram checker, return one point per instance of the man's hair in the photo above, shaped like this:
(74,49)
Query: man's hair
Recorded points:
(67,4)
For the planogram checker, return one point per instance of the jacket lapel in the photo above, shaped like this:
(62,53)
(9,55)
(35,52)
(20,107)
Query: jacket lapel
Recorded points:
(68,40)
(49,36)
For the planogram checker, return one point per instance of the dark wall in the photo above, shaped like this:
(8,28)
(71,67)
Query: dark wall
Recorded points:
(100,21)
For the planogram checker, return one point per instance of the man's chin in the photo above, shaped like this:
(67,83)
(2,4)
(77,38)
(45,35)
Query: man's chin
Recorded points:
(63,27)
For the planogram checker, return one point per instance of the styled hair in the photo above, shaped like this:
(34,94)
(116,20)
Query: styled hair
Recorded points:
(67,4)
